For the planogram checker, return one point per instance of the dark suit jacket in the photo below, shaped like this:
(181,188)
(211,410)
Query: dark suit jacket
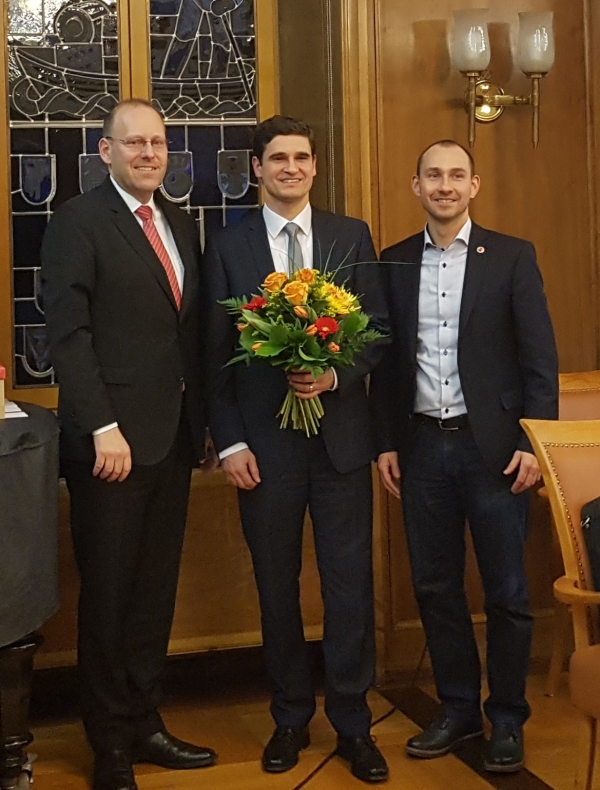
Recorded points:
(244,400)
(507,358)
(120,347)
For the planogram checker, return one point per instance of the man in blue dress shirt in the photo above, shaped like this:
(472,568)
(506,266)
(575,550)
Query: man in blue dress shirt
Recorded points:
(473,352)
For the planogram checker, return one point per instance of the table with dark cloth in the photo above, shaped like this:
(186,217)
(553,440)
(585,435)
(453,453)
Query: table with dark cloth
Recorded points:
(28,568)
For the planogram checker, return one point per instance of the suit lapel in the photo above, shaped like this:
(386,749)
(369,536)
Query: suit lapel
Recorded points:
(258,241)
(135,237)
(409,284)
(180,233)
(327,256)
(475,272)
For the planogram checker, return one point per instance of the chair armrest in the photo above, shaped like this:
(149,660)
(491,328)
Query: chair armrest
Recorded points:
(567,591)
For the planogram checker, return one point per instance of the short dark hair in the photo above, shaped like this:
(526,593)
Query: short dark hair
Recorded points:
(446,144)
(280,125)
(109,121)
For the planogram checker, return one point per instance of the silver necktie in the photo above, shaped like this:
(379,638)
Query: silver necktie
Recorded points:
(295,260)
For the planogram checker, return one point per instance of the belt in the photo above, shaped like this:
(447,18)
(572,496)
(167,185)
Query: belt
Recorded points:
(458,423)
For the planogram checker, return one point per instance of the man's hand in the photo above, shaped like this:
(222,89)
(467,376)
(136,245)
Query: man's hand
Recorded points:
(307,387)
(389,471)
(241,470)
(211,459)
(529,471)
(113,456)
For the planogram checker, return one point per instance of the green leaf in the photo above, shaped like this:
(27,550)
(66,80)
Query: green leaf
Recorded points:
(248,338)
(351,323)
(312,347)
(240,358)
(307,357)
(268,350)
(259,323)
(312,314)
(278,334)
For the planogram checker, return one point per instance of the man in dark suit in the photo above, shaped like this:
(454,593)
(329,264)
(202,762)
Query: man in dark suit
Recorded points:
(120,269)
(279,473)
(473,351)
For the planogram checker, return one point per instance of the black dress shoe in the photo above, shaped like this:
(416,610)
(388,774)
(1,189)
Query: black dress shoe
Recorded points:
(442,736)
(113,771)
(504,751)
(281,753)
(165,750)
(366,761)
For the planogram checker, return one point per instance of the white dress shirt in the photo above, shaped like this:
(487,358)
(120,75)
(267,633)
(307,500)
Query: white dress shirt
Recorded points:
(439,392)
(278,243)
(166,236)
(278,238)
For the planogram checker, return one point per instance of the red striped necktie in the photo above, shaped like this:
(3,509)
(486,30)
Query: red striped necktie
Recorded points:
(145,214)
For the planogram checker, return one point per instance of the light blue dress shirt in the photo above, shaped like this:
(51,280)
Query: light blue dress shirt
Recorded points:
(439,392)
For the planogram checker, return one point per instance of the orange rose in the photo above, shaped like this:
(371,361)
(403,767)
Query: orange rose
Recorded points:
(306,276)
(296,292)
(256,346)
(274,282)
(312,330)
(333,347)
(301,312)
(241,327)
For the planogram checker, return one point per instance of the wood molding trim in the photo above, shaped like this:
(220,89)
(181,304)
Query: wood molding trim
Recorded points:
(124,28)
(139,49)
(359,78)
(591,17)
(267,57)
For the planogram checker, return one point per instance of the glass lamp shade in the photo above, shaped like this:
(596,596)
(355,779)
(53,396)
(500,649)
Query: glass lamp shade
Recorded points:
(471,43)
(535,53)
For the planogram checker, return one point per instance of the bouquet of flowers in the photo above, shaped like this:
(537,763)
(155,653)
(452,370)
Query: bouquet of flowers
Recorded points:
(301,322)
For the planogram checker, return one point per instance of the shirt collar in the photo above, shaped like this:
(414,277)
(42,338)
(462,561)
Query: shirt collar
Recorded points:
(276,223)
(132,202)
(464,234)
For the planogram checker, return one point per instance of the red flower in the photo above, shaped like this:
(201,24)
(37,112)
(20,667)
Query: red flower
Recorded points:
(326,326)
(255,304)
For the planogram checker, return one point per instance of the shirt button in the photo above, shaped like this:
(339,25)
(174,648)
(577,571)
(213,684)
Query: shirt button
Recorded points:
(444,293)
(445,323)
(443,265)
(446,410)
(445,353)
(446,382)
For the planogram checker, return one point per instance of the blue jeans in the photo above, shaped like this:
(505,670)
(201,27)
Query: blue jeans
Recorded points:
(445,483)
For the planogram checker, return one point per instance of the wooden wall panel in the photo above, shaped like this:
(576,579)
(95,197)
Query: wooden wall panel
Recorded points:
(397,53)
(542,195)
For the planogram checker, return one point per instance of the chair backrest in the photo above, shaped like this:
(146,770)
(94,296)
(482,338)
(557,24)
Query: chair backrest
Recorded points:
(579,396)
(569,457)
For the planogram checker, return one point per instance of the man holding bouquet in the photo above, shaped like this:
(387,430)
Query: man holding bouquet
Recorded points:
(280,472)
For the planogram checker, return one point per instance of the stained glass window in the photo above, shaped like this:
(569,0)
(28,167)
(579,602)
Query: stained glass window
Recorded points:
(64,78)
(63,73)
(203,64)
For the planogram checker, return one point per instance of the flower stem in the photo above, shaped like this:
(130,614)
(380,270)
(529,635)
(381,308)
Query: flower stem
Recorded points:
(305,415)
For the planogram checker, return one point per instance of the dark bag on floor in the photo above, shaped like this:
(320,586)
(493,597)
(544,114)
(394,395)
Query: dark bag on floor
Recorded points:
(590,526)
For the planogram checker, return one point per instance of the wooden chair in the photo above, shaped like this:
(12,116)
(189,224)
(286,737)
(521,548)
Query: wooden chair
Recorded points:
(569,457)
(579,399)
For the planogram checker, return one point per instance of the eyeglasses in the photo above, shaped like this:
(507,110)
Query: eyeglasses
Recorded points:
(137,144)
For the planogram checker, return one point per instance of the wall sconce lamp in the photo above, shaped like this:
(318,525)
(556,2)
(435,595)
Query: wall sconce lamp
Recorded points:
(484,100)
